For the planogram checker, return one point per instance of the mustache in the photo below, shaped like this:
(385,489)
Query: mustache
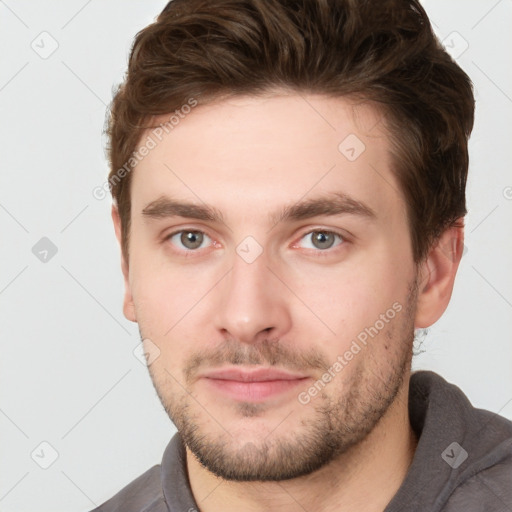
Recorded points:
(268,352)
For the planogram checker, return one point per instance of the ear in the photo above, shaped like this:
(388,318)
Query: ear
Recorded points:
(437,275)
(128,305)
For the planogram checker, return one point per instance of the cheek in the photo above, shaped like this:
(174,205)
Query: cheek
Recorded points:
(163,292)
(169,301)
(350,297)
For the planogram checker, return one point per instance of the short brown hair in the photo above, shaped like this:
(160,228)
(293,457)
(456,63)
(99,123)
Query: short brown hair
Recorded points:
(383,51)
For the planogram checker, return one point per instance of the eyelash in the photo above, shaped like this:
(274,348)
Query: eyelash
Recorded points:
(318,252)
(187,253)
(325,252)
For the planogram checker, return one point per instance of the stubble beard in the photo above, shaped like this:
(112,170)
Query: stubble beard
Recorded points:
(338,423)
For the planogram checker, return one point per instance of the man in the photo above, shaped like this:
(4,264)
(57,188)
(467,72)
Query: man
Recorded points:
(289,195)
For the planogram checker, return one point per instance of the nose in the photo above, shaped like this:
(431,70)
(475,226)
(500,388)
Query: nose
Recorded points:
(252,303)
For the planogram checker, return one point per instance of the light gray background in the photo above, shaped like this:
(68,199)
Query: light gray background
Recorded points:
(68,373)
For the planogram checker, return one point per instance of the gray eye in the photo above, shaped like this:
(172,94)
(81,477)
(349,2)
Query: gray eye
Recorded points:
(191,239)
(322,239)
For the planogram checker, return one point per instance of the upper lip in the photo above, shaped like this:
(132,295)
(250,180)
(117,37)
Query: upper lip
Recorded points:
(259,375)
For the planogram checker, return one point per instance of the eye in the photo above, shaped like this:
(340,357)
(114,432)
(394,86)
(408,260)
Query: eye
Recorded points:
(190,240)
(320,240)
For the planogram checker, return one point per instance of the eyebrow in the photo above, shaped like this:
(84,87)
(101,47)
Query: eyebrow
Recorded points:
(165,207)
(334,204)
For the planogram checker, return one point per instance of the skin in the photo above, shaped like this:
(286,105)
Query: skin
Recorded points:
(296,307)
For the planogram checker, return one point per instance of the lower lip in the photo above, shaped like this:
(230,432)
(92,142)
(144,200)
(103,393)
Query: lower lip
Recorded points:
(254,391)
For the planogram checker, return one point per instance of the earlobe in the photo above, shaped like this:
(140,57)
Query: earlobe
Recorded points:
(437,276)
(128,304)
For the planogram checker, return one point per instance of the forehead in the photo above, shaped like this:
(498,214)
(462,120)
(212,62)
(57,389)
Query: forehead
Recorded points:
(246,152)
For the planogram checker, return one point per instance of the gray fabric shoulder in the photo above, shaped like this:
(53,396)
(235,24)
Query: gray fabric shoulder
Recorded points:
(446,422)
(489,490)
(144,494)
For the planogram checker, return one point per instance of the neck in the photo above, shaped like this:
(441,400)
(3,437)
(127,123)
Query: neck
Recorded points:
(365,478)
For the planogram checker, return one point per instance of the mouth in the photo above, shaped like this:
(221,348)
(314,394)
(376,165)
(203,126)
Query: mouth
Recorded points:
(252,385)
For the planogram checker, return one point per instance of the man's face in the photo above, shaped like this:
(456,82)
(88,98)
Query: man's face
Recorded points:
(283,246)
